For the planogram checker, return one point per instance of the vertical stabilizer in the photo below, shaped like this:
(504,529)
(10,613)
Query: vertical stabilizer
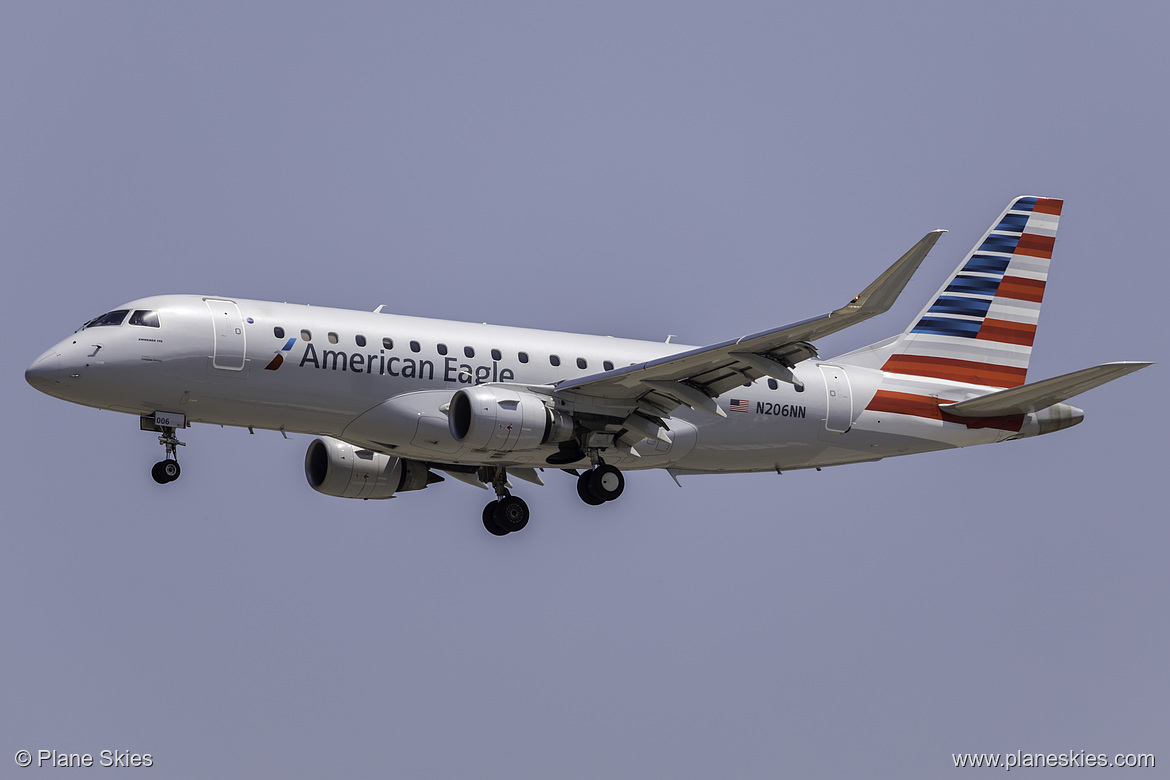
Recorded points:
(978,329)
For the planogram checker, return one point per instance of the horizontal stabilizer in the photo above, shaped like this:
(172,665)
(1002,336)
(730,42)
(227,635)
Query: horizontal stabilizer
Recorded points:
(1033,397)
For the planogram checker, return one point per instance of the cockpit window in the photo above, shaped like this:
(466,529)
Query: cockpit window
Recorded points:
(145,318)
(110,318)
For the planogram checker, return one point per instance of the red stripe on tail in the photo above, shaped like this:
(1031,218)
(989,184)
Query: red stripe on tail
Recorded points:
(1021,289)
(954,370)
(1007,332)
(925,406)
(1033,245)
(1048,206)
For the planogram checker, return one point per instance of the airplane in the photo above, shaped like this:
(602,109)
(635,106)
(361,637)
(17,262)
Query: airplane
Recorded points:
(394,399)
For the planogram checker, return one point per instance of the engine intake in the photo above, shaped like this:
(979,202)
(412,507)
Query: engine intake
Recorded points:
(342,470)
(500,420)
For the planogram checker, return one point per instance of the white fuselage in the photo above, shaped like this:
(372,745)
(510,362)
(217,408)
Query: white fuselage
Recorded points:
(211,359)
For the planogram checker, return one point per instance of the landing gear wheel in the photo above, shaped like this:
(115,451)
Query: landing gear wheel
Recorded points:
(489,519)
(511,514)
(584,492)
(165,471)
(606,482)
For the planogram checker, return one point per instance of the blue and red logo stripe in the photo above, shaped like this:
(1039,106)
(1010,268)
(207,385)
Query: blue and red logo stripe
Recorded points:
(279,359)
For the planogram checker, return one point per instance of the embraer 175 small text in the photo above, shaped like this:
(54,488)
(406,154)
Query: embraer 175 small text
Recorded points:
(395,399)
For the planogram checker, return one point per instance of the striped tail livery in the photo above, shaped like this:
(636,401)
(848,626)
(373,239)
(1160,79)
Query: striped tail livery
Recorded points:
(979,328)
(964,358)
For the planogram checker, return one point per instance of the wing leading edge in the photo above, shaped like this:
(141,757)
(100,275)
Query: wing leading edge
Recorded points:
(694,378)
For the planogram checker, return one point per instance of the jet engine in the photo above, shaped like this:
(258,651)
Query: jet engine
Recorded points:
(497,419)
(342,470)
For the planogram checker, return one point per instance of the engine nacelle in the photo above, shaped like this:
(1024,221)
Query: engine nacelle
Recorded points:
(342,470)
(502,420)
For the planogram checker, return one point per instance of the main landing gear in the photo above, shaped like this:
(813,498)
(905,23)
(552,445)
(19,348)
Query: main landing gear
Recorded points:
(168,470)
(600,484)
(507,513)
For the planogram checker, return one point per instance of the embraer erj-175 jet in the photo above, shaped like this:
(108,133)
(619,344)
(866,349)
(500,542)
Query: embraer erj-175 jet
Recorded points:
(395,399)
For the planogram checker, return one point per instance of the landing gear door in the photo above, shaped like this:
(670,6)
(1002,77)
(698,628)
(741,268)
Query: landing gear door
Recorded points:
(230,340)
(839,410)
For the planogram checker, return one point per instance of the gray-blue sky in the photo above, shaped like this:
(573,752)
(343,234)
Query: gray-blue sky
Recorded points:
(632,169)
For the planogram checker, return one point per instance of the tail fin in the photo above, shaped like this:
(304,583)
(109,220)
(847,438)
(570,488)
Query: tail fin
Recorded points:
(978,329)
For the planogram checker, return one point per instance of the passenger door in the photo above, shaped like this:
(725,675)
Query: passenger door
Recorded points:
(230,339)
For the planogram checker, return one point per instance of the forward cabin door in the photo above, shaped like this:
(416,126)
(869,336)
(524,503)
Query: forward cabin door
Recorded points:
(230,341)
(839,410)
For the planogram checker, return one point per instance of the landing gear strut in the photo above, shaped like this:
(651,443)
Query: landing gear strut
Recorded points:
(507,513)
(168,470)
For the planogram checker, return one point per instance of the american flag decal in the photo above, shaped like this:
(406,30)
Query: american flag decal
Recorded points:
(739,406)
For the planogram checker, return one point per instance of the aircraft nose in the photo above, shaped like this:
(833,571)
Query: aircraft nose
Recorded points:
(45,372)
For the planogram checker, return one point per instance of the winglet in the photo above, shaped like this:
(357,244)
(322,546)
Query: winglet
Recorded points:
(1033,397)
(880,295)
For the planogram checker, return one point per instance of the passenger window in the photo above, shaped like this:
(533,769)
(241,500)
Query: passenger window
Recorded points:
(581,363)
(414,347)
(359,340)
(522,357)
(387,343)
(469,352)
(110,318)
(306,335)
(773,384)
(442,349)
(554,359)
(497,355)
(278,332)
(332,338)
(147,319)
(607,365)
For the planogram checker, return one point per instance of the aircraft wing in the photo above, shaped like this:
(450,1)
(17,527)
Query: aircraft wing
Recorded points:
(695,377)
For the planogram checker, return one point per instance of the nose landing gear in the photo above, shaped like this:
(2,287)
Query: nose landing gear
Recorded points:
(168,470)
